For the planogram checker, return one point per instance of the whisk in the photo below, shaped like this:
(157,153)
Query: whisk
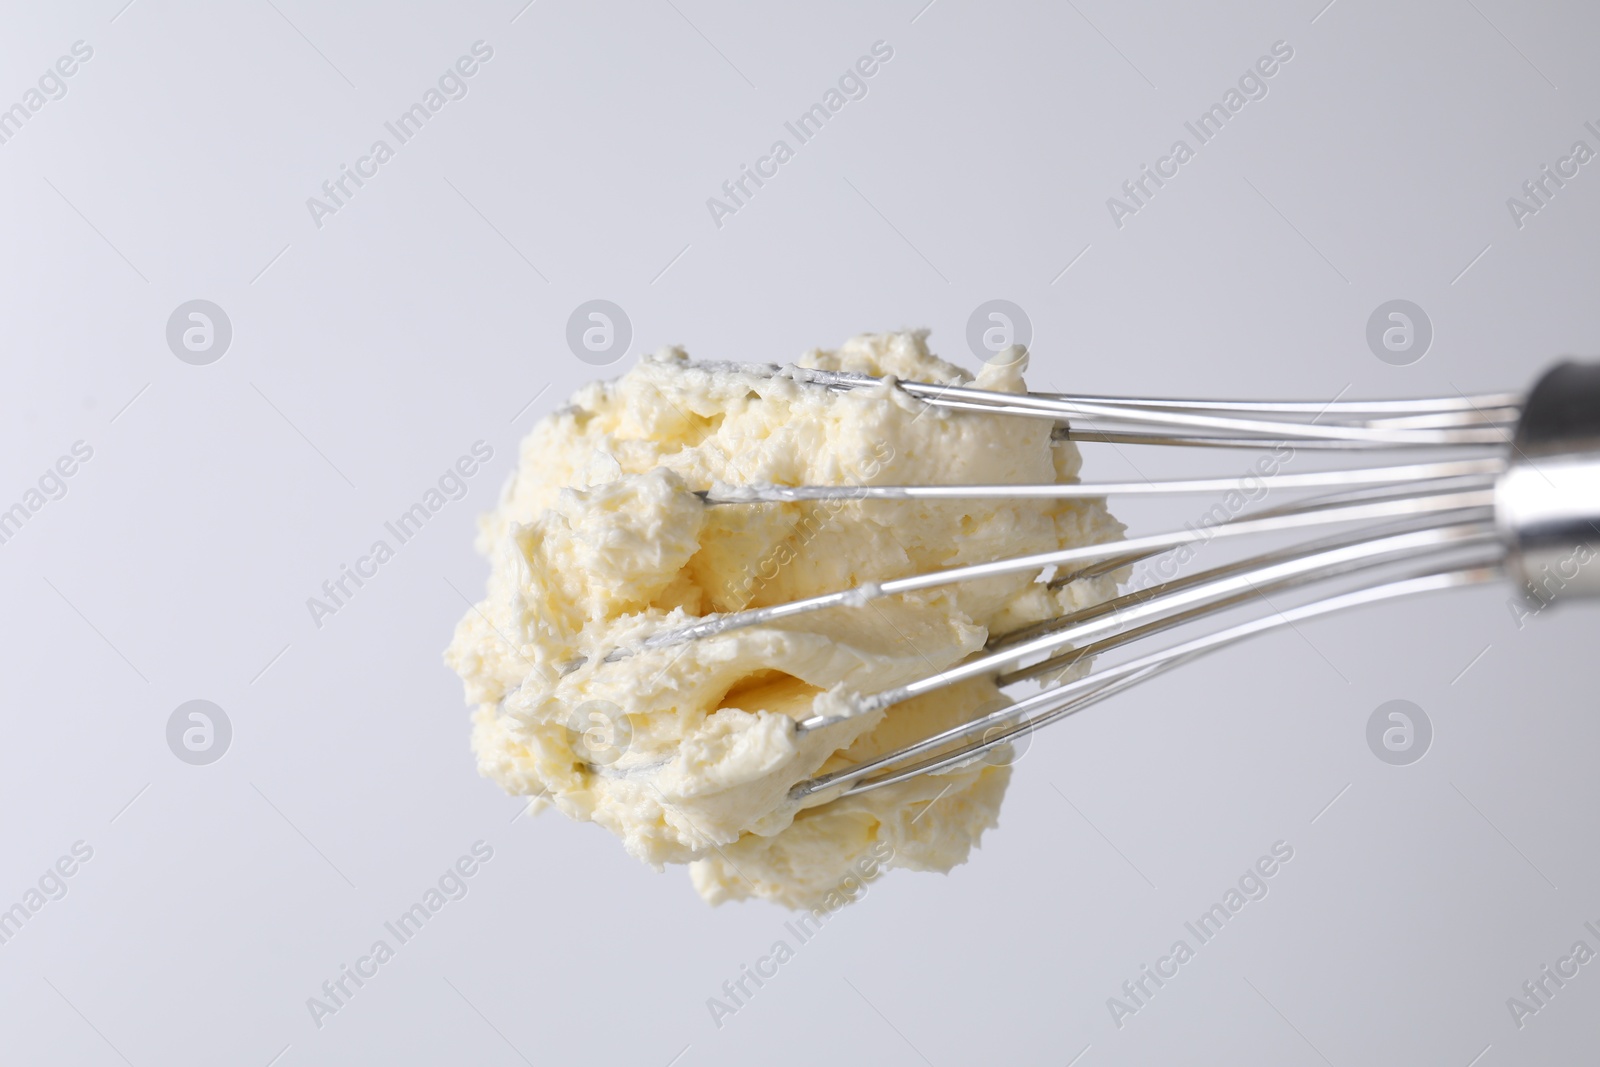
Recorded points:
(1509,488)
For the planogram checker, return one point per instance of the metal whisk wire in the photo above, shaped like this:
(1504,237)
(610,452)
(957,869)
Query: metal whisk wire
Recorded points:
(1419,527)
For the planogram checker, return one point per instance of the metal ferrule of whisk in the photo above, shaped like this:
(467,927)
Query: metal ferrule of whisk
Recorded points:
(1547,503)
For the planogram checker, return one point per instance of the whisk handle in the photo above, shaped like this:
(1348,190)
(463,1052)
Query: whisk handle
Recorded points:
(1548,501)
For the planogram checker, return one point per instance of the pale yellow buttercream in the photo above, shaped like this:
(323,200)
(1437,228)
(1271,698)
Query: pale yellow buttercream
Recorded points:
(688,753)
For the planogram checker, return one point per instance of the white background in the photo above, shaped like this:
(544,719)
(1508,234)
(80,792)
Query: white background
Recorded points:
(430,310)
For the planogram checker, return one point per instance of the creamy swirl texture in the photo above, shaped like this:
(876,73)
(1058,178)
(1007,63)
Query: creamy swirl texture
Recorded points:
(688,752)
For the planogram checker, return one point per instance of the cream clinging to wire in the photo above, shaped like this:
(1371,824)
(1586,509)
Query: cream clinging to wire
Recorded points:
(689,752)
(1525,500)
(795,603)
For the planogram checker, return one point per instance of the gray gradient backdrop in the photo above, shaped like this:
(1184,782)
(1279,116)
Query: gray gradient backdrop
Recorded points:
(430,312)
